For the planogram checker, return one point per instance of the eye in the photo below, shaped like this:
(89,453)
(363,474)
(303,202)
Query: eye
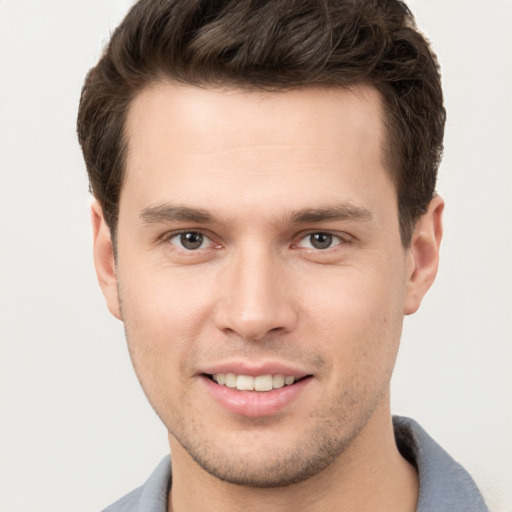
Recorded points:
(190,240)
(320,241)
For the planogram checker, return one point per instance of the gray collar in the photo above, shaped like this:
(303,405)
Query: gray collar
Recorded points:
(445,486)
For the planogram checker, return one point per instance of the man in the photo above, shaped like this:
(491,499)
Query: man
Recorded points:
(265,215)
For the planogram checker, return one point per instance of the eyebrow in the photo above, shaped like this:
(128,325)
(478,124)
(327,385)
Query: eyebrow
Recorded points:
(173,213)
(170,213)
(339,212)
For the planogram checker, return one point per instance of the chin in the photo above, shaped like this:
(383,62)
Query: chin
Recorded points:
(268,460)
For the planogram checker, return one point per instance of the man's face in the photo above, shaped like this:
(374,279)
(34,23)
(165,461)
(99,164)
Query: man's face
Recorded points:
(258,242)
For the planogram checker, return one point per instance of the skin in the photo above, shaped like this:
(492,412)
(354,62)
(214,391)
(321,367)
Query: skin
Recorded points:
(258,292)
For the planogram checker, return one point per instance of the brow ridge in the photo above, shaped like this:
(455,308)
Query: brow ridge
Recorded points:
(340,212)
(170,213)
(175,213)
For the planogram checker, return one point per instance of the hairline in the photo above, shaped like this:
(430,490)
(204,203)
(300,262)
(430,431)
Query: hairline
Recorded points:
(391,164)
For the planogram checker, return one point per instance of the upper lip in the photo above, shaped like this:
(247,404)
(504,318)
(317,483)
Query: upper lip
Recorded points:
(255,369)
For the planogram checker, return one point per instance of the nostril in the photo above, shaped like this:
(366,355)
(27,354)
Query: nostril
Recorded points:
(254,320)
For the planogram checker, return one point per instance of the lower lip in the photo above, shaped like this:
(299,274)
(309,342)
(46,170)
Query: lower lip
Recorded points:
(255,403)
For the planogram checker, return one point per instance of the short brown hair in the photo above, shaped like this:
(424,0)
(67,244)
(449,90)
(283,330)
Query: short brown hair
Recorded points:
(271,45)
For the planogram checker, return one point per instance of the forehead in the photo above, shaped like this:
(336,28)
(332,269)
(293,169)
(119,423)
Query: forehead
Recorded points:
(294,146)
(228,117)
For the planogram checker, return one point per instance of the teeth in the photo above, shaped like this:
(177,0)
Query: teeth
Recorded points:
(248,383)
(230,379)
(289,380)
(278,381)
(244,383)
(263,383)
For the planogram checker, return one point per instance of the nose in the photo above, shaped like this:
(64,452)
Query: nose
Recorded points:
(256,298)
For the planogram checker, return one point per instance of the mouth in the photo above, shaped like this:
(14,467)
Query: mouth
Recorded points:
(260,383)
(257,393)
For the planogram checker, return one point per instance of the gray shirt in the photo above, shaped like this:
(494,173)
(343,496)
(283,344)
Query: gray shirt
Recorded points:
(445,486)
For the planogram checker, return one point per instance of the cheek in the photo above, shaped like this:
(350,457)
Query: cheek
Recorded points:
(359,318)
(164,315)
(165,301)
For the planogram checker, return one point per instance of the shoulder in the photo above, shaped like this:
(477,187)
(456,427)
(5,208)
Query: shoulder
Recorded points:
(444,484)
(150,497)
(127,503)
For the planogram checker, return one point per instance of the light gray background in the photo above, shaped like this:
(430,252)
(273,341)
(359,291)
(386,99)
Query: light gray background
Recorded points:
(76,432)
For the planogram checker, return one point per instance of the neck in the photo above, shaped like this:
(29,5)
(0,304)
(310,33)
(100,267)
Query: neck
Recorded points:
(369,475)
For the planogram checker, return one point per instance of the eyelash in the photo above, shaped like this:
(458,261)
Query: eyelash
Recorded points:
(169,236)
(343,239)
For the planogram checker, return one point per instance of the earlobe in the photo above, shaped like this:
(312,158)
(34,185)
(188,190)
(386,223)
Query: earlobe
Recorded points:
(104,260)
(423,255)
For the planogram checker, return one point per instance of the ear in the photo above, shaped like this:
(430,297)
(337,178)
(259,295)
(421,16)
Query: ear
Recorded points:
(423,255)
(104,259)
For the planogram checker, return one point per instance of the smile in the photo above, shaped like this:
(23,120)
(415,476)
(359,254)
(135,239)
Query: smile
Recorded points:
(249,383)
(256,394)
